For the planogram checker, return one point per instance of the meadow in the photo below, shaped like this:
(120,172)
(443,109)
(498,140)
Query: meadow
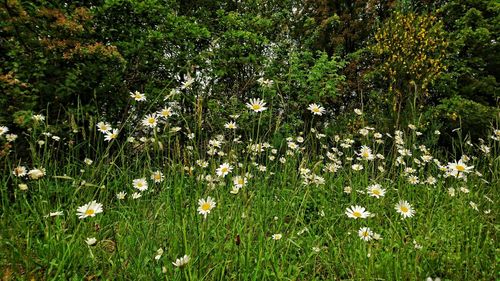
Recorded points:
(156,200)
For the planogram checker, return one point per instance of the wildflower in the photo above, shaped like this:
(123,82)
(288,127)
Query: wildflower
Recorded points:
(121,195)
(89,210)
(138,96)
(166,112)
(38,118)
(180,262)
(91,241)
(457,169)
(239,181)
(215,143)
(431,180)
(496,135)
(54,214)
(292,145)
(157,176)
(451,191)
(23,186)
(356,212)
(205,206)
(36,173)
(366,153)
(224,169)
(365,234)
(3,130)
(357,167)
(10,137)
(404,152)
(159,253)
(175,129)
(230,125)
(202,163)
(256,105)
(140,184)
(136,195)
(358,111)
(20,171)
(88,161)
(426,158)
(364,132)
(111,135)
(150,120)
(473,205)
(277,236)
(376,190)
(464,189)
(265,82)
(316,109)
(405,209)
(413,179)
(187,84)
(347,189)
(485,149)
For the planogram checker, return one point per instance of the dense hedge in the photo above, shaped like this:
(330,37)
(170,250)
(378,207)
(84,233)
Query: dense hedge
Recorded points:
(77,61)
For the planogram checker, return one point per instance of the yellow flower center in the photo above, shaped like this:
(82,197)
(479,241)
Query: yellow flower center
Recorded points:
(404,209)
(256,106)
(376,192)
(356,214)
(241,181)
(89,212)
(206,206)
(460,168)
(315,109)
(366,234)
(223,169)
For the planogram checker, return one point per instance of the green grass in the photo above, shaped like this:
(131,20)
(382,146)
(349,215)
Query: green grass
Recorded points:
(446,237)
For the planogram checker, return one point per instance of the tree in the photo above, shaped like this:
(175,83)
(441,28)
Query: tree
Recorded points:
(409,52)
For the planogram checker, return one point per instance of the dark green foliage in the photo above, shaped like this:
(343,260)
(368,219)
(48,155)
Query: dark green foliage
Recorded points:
(77,61)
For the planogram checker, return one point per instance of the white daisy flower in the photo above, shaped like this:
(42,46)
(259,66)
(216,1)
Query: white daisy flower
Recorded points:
(405,209)
(180,262)
(140,184)
(89,210)
(257,105)
(357,212)
(205,206)
(316,109)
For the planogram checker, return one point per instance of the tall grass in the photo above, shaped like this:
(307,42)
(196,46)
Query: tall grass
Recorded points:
(298,187)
